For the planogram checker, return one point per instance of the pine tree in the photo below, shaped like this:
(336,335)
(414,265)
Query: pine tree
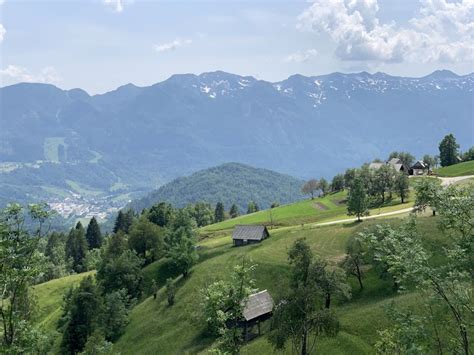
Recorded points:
(234,211)
(76,248)
(124,221)
(119,222)
(93,234)
(83,317)
(357,203)
(219,215)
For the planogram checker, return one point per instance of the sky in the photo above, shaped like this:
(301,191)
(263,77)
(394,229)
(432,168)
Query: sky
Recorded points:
(99,45)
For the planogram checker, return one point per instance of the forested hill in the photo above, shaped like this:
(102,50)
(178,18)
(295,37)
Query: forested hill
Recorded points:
(228,183)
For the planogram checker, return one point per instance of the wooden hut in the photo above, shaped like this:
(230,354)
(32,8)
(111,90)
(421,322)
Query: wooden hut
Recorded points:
(249,234)
(258,307)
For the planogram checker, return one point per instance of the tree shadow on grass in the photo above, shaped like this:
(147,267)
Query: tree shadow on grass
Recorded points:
(200,342)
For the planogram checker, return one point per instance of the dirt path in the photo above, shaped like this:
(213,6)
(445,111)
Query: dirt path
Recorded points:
(346,220)
(446,181)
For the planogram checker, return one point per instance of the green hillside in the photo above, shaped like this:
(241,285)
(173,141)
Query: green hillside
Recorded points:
(228,183)
(323,209)
(157,328)
(50,298)
(461,169)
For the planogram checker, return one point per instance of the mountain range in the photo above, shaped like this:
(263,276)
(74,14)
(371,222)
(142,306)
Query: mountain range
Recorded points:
(57,143)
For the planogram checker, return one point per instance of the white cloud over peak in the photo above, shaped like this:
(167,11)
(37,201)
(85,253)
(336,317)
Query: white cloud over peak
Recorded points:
(301,56)
(171,46)
(16,74)
(117,5)
(442,31)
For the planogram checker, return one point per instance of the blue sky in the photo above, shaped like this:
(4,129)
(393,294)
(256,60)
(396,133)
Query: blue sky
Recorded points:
(99,45)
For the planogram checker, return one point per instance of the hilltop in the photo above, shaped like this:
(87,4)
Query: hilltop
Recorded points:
(227,183)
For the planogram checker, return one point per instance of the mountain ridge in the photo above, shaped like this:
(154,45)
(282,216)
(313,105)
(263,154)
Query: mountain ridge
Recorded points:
(138,138)
(439,74)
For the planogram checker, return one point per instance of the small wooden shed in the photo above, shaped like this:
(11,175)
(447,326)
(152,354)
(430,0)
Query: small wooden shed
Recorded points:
(249,234)
(258,307)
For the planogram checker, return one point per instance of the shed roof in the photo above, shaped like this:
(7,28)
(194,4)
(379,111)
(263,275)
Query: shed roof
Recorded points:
(249,232)
(258,304)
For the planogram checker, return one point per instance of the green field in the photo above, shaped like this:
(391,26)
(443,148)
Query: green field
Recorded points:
(461,169)
(328,208)
(82,189)
(50,147)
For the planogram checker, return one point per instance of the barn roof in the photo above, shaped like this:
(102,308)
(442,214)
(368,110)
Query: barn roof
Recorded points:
(420,164)
(258,304)
(249,232)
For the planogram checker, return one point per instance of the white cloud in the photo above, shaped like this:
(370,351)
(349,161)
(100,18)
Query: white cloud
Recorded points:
(443,31)
(16,74)
(2,32)
(2,28)
(117,5)
(171,46)
(301,56)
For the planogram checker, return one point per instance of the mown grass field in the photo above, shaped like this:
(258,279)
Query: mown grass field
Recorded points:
(461,169)
(324,209)
(50,148)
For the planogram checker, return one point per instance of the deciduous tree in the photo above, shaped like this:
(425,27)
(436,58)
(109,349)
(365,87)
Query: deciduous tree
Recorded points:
(300,316)
(448,150)
(20,265)
(310,187)
(357,202)
(401,186)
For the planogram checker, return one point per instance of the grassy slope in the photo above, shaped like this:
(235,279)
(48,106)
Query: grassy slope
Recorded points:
(302,212)
(157,328)
(49,296)
(461,169)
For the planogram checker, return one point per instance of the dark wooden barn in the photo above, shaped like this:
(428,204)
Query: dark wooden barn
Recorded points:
(249,234)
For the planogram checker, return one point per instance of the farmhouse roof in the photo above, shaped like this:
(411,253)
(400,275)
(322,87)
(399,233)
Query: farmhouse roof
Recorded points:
(249,232)
(395,161)
(420,164)
(257,304)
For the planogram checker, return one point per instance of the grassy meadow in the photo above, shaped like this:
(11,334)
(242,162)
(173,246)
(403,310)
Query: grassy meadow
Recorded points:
(156,328)
(460,169)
